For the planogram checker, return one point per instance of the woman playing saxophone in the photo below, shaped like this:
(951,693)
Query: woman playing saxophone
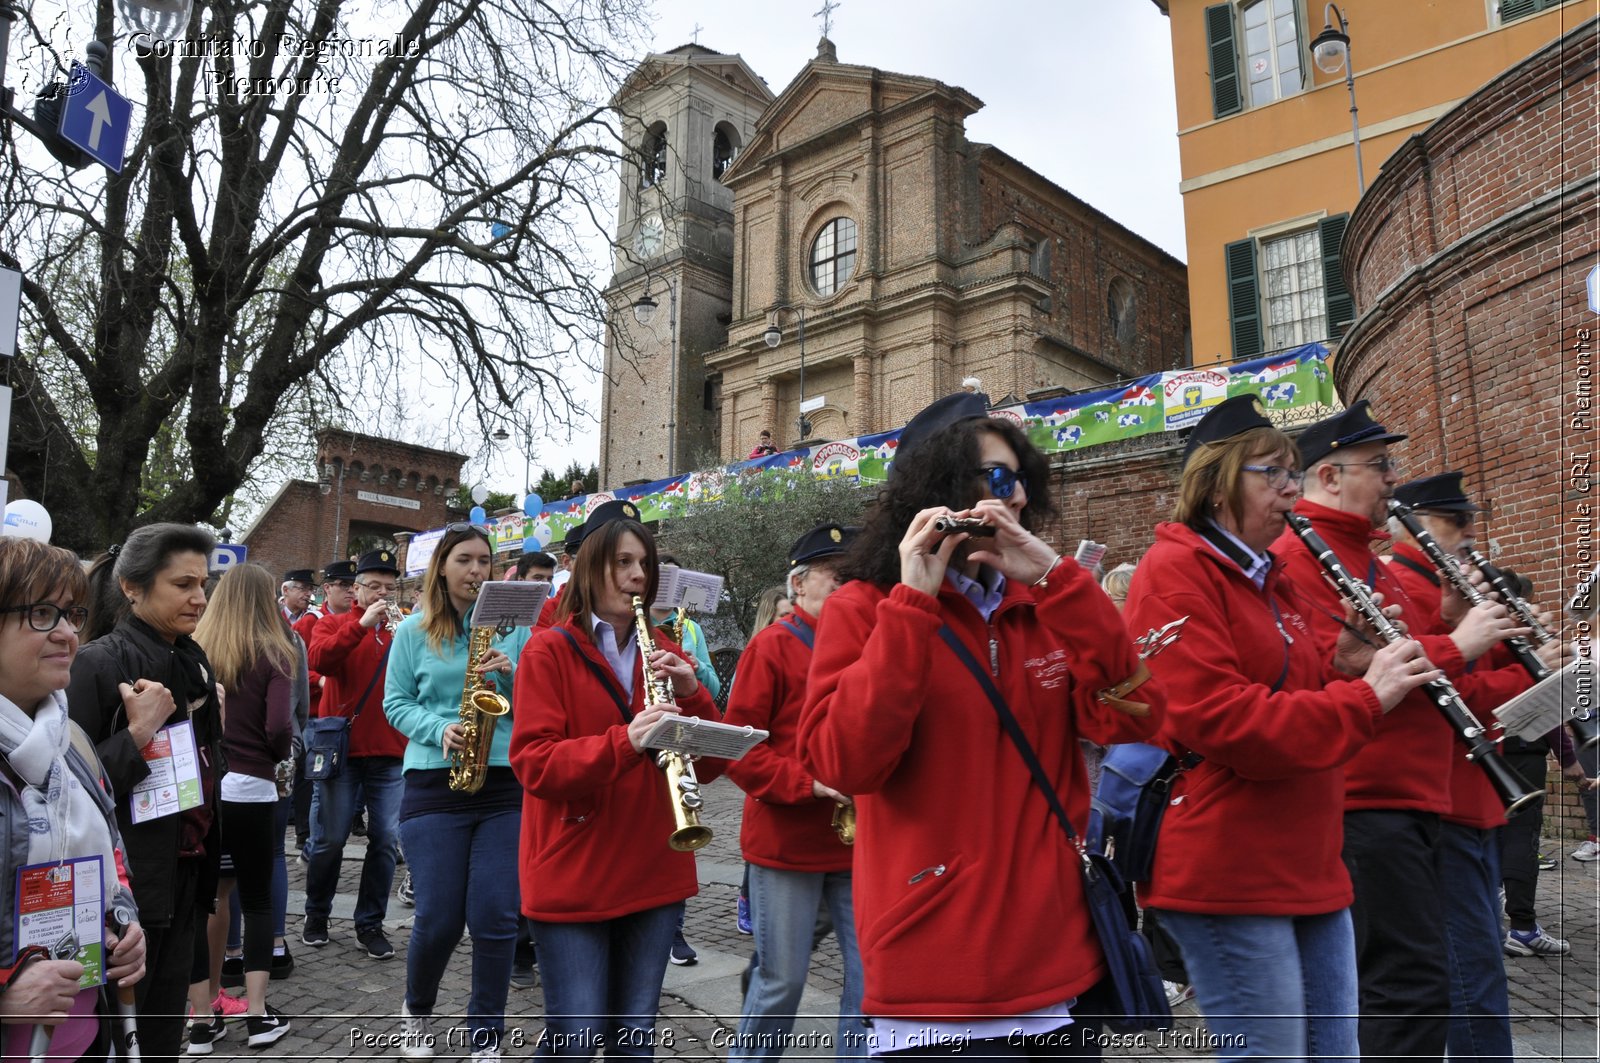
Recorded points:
(602,884)
(461,847)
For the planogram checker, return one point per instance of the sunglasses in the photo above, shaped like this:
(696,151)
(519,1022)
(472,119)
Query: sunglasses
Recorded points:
(1001,480)
(44,616)
(468,526)
(1455,517)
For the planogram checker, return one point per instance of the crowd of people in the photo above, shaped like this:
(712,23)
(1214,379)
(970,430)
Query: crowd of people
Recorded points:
(1327,880)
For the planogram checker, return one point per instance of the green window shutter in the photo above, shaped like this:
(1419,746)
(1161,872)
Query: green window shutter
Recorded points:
(1244,300)
(1225,93)
(1511,10)
(1340,304)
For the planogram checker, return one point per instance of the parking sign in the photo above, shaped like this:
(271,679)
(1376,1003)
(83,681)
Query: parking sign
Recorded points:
(226,556)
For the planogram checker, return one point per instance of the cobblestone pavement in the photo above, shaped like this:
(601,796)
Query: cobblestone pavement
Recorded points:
(342,1004)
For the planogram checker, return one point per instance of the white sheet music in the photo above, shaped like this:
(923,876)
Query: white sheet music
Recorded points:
(702,738)
(509,603)
(1543,707)
(698,592)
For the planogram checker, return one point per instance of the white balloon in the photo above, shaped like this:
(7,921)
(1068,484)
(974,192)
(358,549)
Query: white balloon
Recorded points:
(479,494)
(27,519)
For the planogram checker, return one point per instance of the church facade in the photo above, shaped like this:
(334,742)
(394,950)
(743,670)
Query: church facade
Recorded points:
(834,258)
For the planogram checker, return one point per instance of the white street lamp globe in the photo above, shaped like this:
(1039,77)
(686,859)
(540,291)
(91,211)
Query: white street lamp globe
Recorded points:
(163,20)
(773,336)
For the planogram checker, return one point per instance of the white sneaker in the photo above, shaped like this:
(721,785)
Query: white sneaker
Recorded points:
(1177,993)
(1589,850)
(416,1035)
(487,1055)
(1534,942)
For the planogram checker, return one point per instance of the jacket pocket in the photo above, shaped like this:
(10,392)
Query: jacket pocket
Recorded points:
(927,892)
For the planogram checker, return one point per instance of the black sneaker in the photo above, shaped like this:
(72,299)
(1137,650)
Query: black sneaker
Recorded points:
(202,1034)
(266,1029)
(375,943)
(683,954)
(524,977)
(282,963)
(315,931)
(232,972)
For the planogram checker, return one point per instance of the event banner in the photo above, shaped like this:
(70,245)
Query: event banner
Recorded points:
(1161,402)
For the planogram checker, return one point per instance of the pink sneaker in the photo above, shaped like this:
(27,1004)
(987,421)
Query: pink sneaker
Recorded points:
(229,1007)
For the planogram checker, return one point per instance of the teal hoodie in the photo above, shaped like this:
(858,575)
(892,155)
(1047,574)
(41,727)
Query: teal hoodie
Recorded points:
(422,693)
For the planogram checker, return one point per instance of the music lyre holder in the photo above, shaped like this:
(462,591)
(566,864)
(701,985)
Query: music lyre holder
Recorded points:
(692,736)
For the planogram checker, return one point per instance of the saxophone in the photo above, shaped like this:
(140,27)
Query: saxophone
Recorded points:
(481,709)
(683,789)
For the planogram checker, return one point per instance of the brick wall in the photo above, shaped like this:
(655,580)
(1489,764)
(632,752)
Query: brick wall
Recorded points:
(1468,257)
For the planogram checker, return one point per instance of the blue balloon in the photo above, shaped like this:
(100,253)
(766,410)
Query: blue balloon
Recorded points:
(477,515)
(532,505)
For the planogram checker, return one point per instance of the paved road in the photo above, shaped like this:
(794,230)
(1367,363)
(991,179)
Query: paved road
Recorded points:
(337,998)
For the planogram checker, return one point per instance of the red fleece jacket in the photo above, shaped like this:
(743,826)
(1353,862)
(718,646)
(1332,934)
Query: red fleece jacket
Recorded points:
(348,655)
(1257,827)
(968,897)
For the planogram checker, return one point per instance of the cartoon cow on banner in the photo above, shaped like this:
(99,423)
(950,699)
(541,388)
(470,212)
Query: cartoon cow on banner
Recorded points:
(1276,393)
(1068,436)
(1128,420)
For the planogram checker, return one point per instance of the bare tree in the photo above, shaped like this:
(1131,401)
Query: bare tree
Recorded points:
(323,196)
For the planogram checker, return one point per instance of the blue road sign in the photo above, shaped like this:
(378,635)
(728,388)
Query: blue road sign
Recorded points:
(226,556)
(95,117)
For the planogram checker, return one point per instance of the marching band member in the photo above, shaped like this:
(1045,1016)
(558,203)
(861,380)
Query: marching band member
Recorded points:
(798,862)
(949,817)
(351,651)
(1399,784)
(55,805)
(1247,877)
(600,884)
(461,848)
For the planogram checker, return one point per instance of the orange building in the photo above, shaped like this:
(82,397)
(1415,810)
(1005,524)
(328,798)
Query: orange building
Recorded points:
(1266,145)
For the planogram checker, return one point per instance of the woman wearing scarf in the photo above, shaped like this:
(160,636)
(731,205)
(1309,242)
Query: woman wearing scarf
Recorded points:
(54,806)
(142,679)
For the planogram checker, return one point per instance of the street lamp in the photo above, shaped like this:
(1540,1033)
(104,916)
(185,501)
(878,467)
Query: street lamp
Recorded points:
(774,336)
(1331,52)
(644,312)
(501,436)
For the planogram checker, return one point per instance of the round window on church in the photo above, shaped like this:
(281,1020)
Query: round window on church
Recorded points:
(833,256)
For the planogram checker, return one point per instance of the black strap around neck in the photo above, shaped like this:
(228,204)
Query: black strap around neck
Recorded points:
(1012,728)
(1245,559)
(1427,572)
(383,663)
(607,681)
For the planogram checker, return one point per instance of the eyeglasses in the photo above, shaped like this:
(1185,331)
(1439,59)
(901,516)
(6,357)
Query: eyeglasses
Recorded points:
(1384,464)
(1277,476)
(379,588)
(44,616)
(1002,481)
(1459,518)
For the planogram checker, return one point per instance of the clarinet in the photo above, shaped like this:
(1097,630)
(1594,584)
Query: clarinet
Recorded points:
(1452,572)
(1513,792)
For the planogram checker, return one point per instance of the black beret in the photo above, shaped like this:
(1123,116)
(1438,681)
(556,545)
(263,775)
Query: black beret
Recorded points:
(300,575)
(379,561)
(962,406)
(599,517)
(824,540)
(1347,428)
(1443,491)
(338,570)
(1229,418)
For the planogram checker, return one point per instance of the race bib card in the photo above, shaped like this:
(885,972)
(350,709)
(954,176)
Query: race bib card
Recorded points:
(173,784)
(61,907)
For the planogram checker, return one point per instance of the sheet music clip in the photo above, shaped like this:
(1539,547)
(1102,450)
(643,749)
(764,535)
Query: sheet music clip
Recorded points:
(695,737)
(1542,708)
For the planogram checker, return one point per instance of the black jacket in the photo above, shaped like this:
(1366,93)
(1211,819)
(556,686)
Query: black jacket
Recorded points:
(132,651)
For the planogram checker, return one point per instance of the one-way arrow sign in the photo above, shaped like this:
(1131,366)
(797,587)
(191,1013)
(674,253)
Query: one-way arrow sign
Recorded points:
(95,117)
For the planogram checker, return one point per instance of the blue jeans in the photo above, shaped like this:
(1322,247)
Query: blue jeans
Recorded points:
(1273,985)
(1469,869)
(333,808)
(464,871)
(602,982)
(783,909)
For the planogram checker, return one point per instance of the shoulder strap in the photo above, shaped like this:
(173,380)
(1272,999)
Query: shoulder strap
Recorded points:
(1012,728)
(1422,570)
(383,662)
(605,680)
(800,630)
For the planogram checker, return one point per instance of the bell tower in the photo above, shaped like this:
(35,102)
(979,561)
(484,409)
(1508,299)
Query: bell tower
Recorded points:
(686,114)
